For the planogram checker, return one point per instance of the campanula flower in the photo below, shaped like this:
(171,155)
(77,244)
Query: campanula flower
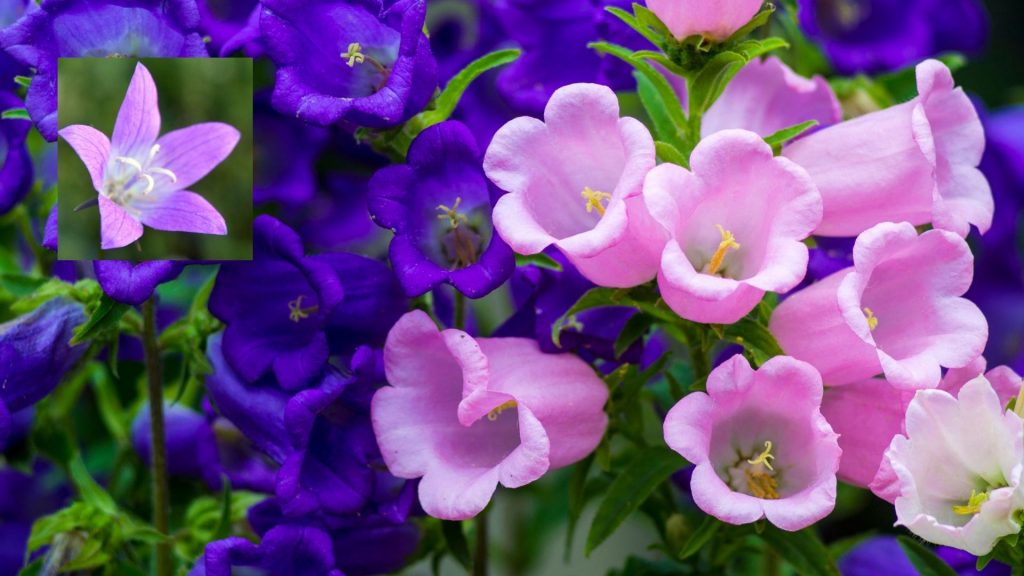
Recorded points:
(34,355)
(736,224)
(381,71)
(713,20)
(141,177)
(467,414)
(284,551)
(761,446)
(439,206)
(16,172)
(870,36)
(574,182)
(924,169)
(63,29)
(190,440)
(898,310)
(957,471)
(131,283)
(285,151)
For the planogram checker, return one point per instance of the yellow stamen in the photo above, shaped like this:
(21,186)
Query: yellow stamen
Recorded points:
(765,457)
(297,312)
(973,504)
(493,414)
(452,214)
(594,199)
(354,55)
(872,321)
(728,242)
(762,485)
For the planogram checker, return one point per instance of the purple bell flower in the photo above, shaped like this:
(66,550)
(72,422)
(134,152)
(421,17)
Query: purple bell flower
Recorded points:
(878,35)
(134,283)
(16,171)
(77,29)
(883,555)
(34,355)
(439,207)
(380,71)
(288,550)
(285,153)
(191,444)
(24,497)
(276,307)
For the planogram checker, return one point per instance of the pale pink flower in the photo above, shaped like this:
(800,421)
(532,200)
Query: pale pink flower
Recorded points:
(957,471)
(574,181)
(898,310)
(916,161)
(736,225)
(716,20)
(760,444)
(467,414)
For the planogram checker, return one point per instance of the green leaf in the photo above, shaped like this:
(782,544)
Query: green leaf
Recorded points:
(711,81)
(90,492)
(923,559)
(111,411)
(634,330)
(803,550)
(670,153)
(755,338)
(665,128)
(455,539)
(224,524)
(15,114)
(779,138)
(647,18)
(23,81)
(631,21)
(630,489)
(700,537)
(759,20)
(754,48)
(106,316)
(577,499)
(540,261)
(20,285)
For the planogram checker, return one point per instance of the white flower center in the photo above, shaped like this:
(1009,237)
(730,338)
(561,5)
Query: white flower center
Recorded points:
(129,178)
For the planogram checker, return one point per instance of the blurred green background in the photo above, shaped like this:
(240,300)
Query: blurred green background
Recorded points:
(191,90)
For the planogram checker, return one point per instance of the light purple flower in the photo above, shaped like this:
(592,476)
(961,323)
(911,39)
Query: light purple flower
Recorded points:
(141,176)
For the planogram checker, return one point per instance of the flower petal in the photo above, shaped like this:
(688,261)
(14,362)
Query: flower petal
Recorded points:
(117,227)
(180,211)
(92,147)
(138,121)
(193,152)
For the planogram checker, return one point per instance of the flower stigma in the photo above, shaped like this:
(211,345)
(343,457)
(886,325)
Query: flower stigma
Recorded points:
(494,413)
(756,476)
(297,312)
(872,319)
(728,243)
(594,200)
(355,55)
(973,505)
(461,242)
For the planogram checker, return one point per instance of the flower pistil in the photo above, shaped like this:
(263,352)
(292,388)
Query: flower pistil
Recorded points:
(594,200)
(728,243)
(297,312)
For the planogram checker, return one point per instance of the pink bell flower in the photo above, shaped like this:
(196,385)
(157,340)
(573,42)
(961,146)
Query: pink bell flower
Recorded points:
(736,224)
(574,181)
(467,414)
(760,444)
(916,162)
(957,471)
(714,20)
(898,310)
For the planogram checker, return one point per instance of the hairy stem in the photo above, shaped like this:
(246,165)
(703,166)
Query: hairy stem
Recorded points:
(161,496)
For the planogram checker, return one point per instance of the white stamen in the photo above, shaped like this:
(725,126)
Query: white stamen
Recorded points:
(129,161)
(153,152)
(149,184)
(165,172)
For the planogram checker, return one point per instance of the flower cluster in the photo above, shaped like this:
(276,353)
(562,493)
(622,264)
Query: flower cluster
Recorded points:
(647,258)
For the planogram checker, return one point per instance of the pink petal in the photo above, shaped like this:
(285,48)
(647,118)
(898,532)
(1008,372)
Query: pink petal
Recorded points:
(716,20)
(92,146)
(138,120)
(117,228)
(193,152)
(179,211)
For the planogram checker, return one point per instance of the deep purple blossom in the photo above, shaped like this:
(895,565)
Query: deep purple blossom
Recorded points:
(284,551)
(366,62)
(878,35)
(134,283)
(275,308)
(70,29)
(285,151)
(141,177)
(15,162)
(24,497)
(439,207)
(34,355)
(191,444)
(883,555)
(222,20)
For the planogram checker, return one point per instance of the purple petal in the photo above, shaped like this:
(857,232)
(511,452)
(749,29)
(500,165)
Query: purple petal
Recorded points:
(134,283)
(193,152)
(50,231)
(138,121)
(92,147)
(180,211)
(117,228)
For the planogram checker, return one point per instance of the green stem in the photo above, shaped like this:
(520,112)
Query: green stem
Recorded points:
(480,548)
(161,492)
(459,321)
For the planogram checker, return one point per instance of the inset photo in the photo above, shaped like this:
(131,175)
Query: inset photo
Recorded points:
(155,159)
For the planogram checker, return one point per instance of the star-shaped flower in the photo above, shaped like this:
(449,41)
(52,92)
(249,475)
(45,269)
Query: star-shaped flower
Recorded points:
(141,176)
